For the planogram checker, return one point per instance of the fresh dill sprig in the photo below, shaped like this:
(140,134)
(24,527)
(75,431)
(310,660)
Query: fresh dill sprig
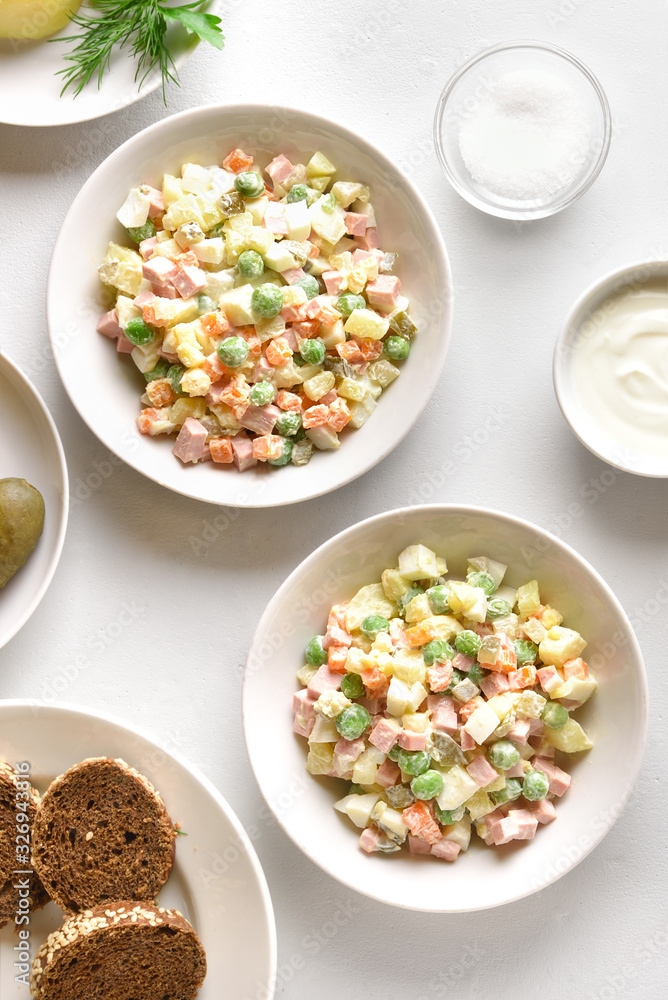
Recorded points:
(141,24)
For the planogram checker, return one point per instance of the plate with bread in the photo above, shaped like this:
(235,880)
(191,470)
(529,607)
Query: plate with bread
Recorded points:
(111,889)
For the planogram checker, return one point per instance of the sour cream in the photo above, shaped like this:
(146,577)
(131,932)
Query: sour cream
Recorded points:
(620,368)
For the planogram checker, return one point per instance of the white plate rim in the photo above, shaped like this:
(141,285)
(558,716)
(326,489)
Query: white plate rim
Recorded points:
(14,371)
(432,373)
(451,508)
(67,708)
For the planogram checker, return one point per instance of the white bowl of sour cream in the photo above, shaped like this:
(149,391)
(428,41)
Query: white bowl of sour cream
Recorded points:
(610,369)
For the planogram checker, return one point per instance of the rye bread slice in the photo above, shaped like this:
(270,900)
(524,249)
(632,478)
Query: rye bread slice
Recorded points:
(122,951)
(102,832)
(15,802)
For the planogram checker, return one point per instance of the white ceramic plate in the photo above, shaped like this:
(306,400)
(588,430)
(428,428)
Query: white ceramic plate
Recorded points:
(110,404)
(30,89)
(30,449)
(602,779)
(227,901)
(589,312)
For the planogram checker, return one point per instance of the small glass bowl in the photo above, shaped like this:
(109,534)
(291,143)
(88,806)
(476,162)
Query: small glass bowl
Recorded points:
(475,79)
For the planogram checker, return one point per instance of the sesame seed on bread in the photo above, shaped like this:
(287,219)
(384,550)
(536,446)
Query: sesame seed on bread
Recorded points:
(121,951)
(102,833)
(16,803)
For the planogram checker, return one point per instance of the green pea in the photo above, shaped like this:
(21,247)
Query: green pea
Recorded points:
(373,624)
(511,791)
(468,642)
(413,762)
(232,351)
(457,676)
(139,333)
(427,785)
(447,816)
(175,373)
(347,302)
(352,686)
(476,674)
(393,754)
(205,304)
(525,651)
(160,371)
(313,351)
(250,264)
(298,192)
(262,393)
(249,184)
(315,652)
(396,348)
(140,233)
(285,455)
(503,755)
(437,651)
(498,609)
(536,786)
(438,599)
(288,424)
(353,721)
(267,300)
(554,715)
(484,580)
(309,284)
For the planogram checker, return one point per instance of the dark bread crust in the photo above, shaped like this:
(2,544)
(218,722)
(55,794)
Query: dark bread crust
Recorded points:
(120,951)
(9,896)
(102,833)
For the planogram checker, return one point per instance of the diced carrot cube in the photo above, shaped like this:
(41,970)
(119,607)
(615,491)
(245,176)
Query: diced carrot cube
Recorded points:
(370,349)
(306,329)
(148,315)
(236,394)
(267,446)
(337,616)
(250,336)
(215,323)
(349,351)
(186,259)
(146,419)
(313,250)
(221,450)
(423,632)
(339,414)
(439,676)
(328,315)
(237,161)
(160,392)
(215,368)
(506,661)
(576,668)
(525,677)
(375,682)
(278,351)
(336,659)
(289,401)
(294,314)
(421,823)
(467,710)
(315,416)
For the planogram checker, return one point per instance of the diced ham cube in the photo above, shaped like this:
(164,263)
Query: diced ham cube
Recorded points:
(462,663)
(243,453)
(263,371)
(146,247)
(439,675)
(334,281)
(189,280)
(123,345)
(216,392)
(443,714)
(279,169)
(446,850)
(516,771)
(348,751)
(374,706)
(369,241)
(293,274)
(145,298)
(360,255)
(323,680)
(388,774)
(543,810)
(156,205)
(383,291)
(385,734)
(559,780)
(482,771)
(303,703)
(525,822)
(274,219)
(336,636)
(494,684)
(355,223)
(260,419)
(550,679)
(302,726)
(290,338)
(189,445)
(467,741)
(519,733)
(370,839)
(108,325)
(408,740)
(505,830)
(417,845)
(535,727)
(159,270)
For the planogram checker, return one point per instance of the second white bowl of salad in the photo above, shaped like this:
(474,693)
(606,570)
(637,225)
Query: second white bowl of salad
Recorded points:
(261,309)
(433,707)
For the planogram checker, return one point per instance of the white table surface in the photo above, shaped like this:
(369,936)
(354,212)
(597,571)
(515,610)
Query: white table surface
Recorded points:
(162,632)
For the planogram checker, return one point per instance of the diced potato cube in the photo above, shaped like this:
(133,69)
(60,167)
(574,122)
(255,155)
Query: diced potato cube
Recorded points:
(415,722)
(305,673)
(146,358)
(417,562)
(358,808)
(479,804)
(172,189)
(369,600)
(458,786)
(185,407)
(504,593)
(551,617)
(365,768)
(482,723)
(361,410)
(184,209)
(319,760)
(319,166)
(489,648)
(467,600)
(561,644)
(122,268)
(459,832)
(390,821)
(417,695)
(257,207)
(571,738)
(418,608)
(332,334)
(578,689)
(346,192)
(397,697)
(409,666)
(324,731)
(528,598)
(502,705)
(278,258)
(383,372)
(367,324)
(323,437)
(534,630)
(350,388)
(319,385)
(530,705)
(236,304)
(394,584)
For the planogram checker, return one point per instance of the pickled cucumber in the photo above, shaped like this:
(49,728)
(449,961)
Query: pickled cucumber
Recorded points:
(21,524)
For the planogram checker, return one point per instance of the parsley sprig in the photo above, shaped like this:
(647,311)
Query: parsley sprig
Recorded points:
(139,24)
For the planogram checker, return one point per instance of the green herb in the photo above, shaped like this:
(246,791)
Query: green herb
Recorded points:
(181,833)
(139,24)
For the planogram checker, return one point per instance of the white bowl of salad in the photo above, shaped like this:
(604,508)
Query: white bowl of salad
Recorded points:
(261,309)
(433,704)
